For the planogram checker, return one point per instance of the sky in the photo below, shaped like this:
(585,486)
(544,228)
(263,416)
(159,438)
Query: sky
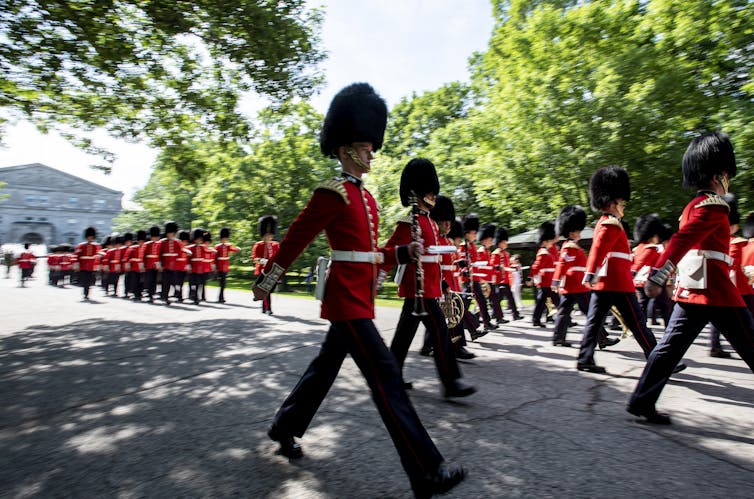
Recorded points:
(398,46)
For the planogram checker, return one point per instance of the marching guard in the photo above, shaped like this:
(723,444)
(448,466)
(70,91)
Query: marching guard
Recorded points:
(264,250)
(152,265)
(86,254)
(171,248)
(542,272)
(420,282)
(222,260)
(704,292)
(347,212)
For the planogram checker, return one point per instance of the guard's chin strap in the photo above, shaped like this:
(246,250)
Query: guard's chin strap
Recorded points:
(356,159)
(724,183)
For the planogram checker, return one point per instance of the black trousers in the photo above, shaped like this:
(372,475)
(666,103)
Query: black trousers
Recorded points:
(439,338)
(563,317)
(86,280)
(661,303)
(540,304)
(169,279)
(221,277)
(363,342)
(481,302)
(504,292)
(686,322)
(180,278)
(628,306)
(135,283)
(196,286)
(714,342)
(150,282)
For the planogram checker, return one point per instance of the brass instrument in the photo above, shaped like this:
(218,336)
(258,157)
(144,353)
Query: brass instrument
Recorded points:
(486,289)
(416,234)
(617,314)
(551,308)
(453,308)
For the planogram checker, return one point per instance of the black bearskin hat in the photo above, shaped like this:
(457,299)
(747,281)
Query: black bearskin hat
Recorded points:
(197,233)
(734,216)
(456,230)
(470,222)
(141,235)
(546,232)
(501,234)
(224,232)
(571,218)
(128,236)
(171,227)
(608,184)
(90,232)
(154,231)
(419,176)
(183,235)
(748,229)
(268,224)
(708,155)
(646,227)
(108,241)
(488,230)
(666,233)
(356,114)
(443,211)
(207,236)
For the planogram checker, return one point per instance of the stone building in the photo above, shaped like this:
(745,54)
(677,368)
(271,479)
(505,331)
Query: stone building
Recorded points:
(42,205)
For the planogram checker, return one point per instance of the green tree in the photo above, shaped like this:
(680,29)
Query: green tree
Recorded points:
(149,69)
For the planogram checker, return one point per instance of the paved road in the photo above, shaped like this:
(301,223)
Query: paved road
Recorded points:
(120,399)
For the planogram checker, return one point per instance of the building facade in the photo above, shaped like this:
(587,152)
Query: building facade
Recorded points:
(42,205)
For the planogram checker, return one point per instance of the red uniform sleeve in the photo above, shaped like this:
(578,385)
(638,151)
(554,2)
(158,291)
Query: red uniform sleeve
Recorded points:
(604,240)
(701,223)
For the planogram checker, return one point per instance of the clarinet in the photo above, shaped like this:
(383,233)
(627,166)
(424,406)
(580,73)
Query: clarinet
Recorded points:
(416,233)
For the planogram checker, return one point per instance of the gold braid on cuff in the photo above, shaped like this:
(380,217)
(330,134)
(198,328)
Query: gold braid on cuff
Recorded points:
(272,278)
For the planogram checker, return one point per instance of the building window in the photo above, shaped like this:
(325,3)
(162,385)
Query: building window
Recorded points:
(29,219)
(100,222)
(100,204)
(42,219)
(72,221)
(31,199)
(43,199)
(73,201)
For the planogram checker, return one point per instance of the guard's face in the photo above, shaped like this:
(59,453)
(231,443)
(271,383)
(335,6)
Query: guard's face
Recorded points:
(444,226)
(357,158)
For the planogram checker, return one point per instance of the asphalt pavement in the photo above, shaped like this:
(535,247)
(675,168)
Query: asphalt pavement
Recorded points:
(120,399)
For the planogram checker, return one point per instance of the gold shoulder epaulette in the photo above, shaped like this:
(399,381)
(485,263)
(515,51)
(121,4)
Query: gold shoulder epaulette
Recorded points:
(497,251)
(612,221)
(570,244)
(336,185)
(712,200)
(407,218)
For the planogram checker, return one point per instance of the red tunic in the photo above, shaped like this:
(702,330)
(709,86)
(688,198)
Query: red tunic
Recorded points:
(222,256)
(209,259)
(263,251)
(135,257)
(197,258)
(610,257)
(569,270)
(112,259)
(348,214)
(469,258)
(500,260)
(704,226)
(86,255)
(125,262)
(26,260)
(645,256)
(430,263)
(747,260)
(66,261)
(53,261)
(543,268)
(170,250)
(737,245)
(482,268)
(182,260)
(448,269)
(151,254)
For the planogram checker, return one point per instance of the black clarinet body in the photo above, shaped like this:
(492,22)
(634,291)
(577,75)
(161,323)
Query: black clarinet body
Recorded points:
(419,309)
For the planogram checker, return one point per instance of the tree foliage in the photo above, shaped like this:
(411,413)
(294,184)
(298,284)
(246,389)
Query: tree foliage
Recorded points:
(150,69)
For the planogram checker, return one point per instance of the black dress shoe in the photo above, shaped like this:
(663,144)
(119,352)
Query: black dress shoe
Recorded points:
(517,317)
(457,389)
(592,368)
(478,334)
(407,385)
(288,446)
(651,415)
(503,321)
(719,353)
(538,324)
(490,327)
(464,354)
(680,367)
(608,342)
(426,352)
(439,482)
(562,343)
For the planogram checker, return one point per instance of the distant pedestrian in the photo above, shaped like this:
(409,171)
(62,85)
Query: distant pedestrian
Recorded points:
(26,261)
